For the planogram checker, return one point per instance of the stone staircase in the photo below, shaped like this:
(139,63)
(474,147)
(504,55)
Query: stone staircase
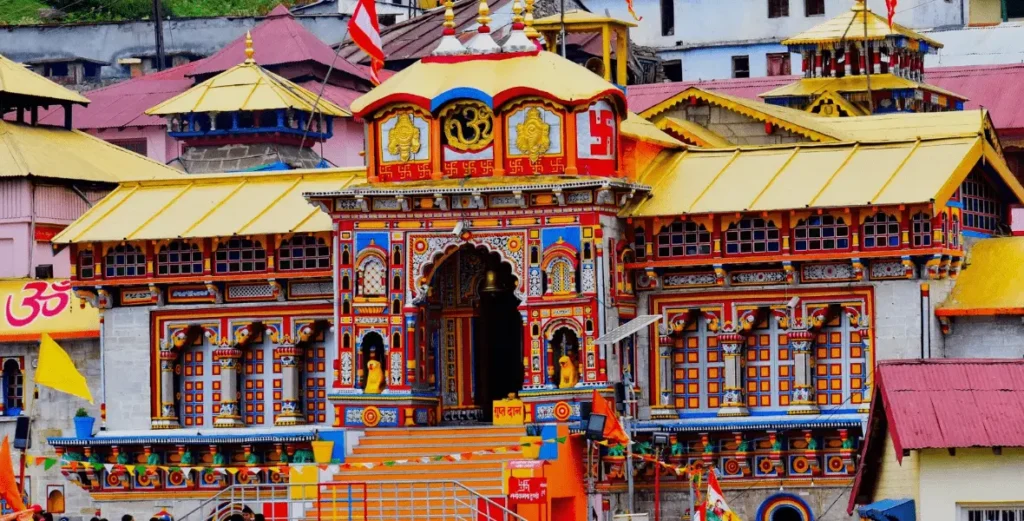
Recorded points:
(416,491)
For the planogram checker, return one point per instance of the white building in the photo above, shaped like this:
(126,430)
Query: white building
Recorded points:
(715,39)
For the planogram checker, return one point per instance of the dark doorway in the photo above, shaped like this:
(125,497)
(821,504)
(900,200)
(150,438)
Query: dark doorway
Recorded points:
(497,339)
(371,348)
(785,513)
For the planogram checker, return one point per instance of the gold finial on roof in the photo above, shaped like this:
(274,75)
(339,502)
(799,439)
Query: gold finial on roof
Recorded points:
(530,31)
(859,5)
(449,17)
(517,14)
(249,52)
(484,17)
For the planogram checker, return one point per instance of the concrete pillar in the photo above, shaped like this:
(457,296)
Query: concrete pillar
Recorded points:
(733,401)
(290,358)
(230,414)
(802,401)
(168,417)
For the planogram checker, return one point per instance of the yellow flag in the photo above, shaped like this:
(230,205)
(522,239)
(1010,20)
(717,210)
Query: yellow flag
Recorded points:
(57,371)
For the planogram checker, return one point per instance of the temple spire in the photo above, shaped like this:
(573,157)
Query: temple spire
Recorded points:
(482,42)
(531,33)
(249,52)
(517,40)
(450,44)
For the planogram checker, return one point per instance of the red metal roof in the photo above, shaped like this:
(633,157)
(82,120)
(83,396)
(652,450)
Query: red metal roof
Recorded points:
(983,85)
(124,104)
(938,404)
(279,39)
(340,96)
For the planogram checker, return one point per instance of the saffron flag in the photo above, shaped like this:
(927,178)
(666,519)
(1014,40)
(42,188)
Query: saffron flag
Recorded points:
(57,371)
(9,490)
(890,6)
(612,428)
(715,508)
(365,32)
(629,5)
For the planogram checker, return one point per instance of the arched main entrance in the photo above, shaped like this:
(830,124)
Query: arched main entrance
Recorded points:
(474,332)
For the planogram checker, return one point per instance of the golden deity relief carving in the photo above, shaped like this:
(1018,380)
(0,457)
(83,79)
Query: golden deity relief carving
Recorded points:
(532,135)
(567,373)
(374,378)
(404,138)
(468,126)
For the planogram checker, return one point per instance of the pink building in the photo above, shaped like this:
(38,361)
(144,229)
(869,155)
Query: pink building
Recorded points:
(284,46)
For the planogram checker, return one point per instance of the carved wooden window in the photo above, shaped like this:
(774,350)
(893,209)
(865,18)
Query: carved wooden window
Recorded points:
(769,372)
(699,369)
(821,233)
(86,264)
(125,260)
(982,209)
(945,229)
(922,229)
(200,387)
(257,384)
(840,364)
(954,232)
(752,235)
(640,244)
(304,252)
(372,280)
(314,384)
(881,231)
(561,276)
(684,239)
(179,258)
(241,256)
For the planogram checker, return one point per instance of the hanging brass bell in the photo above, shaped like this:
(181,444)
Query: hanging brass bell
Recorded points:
(490,282)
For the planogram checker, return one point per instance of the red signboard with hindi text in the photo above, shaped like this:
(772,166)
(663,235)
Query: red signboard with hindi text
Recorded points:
(530,491)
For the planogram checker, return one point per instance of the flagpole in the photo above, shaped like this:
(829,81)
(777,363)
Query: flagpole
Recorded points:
(868,62)
(563,27)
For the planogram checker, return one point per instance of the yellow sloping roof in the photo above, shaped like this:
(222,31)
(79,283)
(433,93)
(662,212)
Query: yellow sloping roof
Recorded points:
(431,84)
(908,126)
(70,154)
(812,175)
(694,132)
(992,282)
(796,121)
(805,87)
(246,87)
(15,79)
(640,129)
(211,206)
(577,17)
(849,26)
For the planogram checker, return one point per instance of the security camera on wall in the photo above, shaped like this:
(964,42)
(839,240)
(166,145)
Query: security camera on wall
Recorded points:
(793,303)
(459,227)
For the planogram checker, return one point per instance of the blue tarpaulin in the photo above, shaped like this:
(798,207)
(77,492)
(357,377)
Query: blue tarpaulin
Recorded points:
(889,510)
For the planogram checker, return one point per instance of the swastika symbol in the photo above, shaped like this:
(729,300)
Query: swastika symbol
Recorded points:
(602,123)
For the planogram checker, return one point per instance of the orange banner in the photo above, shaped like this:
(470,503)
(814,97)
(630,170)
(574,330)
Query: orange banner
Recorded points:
(34,307)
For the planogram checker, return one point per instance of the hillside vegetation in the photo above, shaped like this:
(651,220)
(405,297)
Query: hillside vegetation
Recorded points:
(15,12)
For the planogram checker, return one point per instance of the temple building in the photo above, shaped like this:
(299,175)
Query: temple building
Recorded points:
(740,266)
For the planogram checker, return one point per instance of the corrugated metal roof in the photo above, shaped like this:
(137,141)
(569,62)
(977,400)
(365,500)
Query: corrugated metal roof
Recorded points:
(58,153)
(211,206)
(937,404)
(795,176)
(279,39)
(638,128)
(693,132)
(248,87)
(978,291)
(17,80)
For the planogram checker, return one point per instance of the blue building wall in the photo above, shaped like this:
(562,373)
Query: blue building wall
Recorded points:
(715,63)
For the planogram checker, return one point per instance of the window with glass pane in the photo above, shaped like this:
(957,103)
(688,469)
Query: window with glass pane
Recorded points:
(683,239)
(86,265)
(752,235)
(821,232)
(982,209)
(179,258)
(881,231)
(125,260)
(640,244)
(304,252)
(372,277)
(241,256)
(1003,513)
(922,224)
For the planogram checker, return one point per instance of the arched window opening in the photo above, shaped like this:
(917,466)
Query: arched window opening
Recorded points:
(179,258)
(125,260)
(372,349)
(371,277)
(881,231)
(14,387)
(561,276)
(303,252)
(821,233)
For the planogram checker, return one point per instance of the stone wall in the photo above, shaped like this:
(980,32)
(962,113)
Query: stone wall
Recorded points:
(828,503)
(233,158)
(126,341)
(985,337)
(735,127)
(52,415)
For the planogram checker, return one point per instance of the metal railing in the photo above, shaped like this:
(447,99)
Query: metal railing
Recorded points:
(338,501)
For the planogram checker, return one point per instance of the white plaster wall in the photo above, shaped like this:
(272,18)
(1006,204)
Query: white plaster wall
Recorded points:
(52,415)
(126,342)
(719,21)
(971,476)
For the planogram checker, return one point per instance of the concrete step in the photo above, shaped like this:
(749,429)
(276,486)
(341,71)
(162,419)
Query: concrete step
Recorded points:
(417,432)
(414,459)
(493,440)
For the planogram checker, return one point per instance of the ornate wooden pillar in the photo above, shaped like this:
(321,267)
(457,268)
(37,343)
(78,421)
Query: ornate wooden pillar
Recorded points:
(803,400)
(229,415)
(290,358)
(167,418)
(733,401)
